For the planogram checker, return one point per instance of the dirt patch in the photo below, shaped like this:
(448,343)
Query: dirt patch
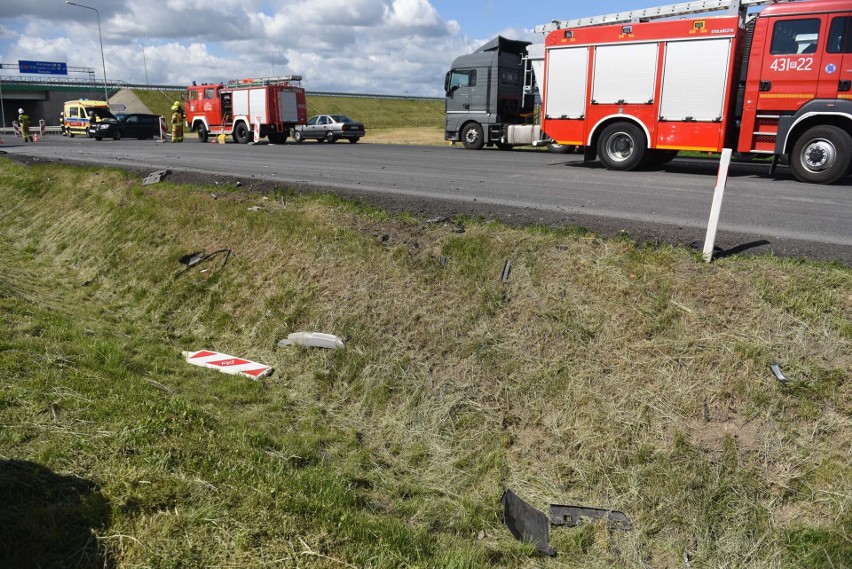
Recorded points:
(711,434)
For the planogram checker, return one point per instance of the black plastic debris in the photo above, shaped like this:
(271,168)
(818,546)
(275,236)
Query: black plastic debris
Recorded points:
(155,177)
(198,257)
(573,516)
(526,523)
(191,259)
(776,369)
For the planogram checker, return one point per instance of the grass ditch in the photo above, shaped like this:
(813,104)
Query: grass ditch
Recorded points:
(600,374)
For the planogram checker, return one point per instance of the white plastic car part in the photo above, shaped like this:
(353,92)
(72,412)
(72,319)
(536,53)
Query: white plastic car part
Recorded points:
(312,339)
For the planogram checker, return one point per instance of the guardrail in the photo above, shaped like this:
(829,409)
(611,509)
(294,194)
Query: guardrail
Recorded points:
(114,85)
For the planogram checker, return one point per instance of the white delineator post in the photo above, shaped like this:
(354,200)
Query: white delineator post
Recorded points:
(716,209)
(17,128)
(42,128)
(164,130)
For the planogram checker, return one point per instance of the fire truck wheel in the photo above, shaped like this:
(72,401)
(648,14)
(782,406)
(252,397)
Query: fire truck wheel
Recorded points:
(277,137)
(297,136)
(658,158)
(821,155)
(202,133)
(241,133)
(472,136)
(621,146)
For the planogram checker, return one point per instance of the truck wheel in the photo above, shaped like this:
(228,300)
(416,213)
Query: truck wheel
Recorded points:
(659,158)
(472,137)
(277,137)
(297,136)
(821,155)
(202,133)
(241,133)
(622,146)
(555,148)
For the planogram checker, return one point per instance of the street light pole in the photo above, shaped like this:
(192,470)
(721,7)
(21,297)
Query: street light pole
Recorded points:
(100,38)
(145,62)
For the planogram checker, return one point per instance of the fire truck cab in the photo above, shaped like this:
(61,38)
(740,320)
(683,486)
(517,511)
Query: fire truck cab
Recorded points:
(239,108)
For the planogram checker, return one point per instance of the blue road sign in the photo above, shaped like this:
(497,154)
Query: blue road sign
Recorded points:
(43,67)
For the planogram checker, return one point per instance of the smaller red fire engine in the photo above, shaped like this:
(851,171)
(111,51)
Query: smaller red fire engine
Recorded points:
(271,105)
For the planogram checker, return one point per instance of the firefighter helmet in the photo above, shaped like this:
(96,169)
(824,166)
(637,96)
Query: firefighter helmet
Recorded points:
(176,106)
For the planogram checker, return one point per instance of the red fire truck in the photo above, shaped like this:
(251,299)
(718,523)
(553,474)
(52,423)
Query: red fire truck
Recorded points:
(634,92)
(274,105)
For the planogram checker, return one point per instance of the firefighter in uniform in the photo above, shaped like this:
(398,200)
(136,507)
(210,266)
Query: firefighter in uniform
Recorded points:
(24,123)
(177,122)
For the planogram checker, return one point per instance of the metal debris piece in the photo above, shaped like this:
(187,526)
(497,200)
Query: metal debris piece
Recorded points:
(507,269)
(572,516)
(312,340)
(227,364)
(526,523)
(255,208)
(776,369)
(155,177)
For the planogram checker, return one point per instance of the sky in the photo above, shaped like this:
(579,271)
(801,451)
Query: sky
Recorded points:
(399,47)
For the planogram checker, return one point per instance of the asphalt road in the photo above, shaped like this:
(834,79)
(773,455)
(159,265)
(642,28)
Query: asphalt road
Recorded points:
(760,214)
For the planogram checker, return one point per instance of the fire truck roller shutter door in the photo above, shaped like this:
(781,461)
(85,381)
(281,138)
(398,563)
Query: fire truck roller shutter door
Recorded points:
(693,80)
(567,74)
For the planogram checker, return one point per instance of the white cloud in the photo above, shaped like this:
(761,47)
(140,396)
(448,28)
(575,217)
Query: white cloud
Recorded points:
(376,46)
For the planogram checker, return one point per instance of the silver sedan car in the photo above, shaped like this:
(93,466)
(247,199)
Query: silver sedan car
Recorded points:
(329,128)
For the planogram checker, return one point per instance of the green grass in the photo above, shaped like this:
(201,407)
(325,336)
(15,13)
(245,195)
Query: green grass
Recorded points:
(600,374)
(374,113)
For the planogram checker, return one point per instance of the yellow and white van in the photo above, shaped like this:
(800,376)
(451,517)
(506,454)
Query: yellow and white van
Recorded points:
(78,112)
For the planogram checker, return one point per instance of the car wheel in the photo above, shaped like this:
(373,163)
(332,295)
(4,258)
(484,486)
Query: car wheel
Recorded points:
(297,136)
(472,137)
(99,138)
(116,135)
(202,133)
(354,140)
(241,133)
(821,155)
(70,134)
(329,136)
(622,146)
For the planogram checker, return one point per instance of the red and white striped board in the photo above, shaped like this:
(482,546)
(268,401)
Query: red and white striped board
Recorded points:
(164,130)
(42,128)
(227,364)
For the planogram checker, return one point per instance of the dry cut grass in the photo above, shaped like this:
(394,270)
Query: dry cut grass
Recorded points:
(600,374)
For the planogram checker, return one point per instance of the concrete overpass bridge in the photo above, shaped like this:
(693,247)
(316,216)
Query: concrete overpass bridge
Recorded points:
(44,98)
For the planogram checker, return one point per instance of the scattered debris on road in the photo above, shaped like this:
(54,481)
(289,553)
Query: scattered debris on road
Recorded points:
(155,177)
(193,259)
(776,369)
